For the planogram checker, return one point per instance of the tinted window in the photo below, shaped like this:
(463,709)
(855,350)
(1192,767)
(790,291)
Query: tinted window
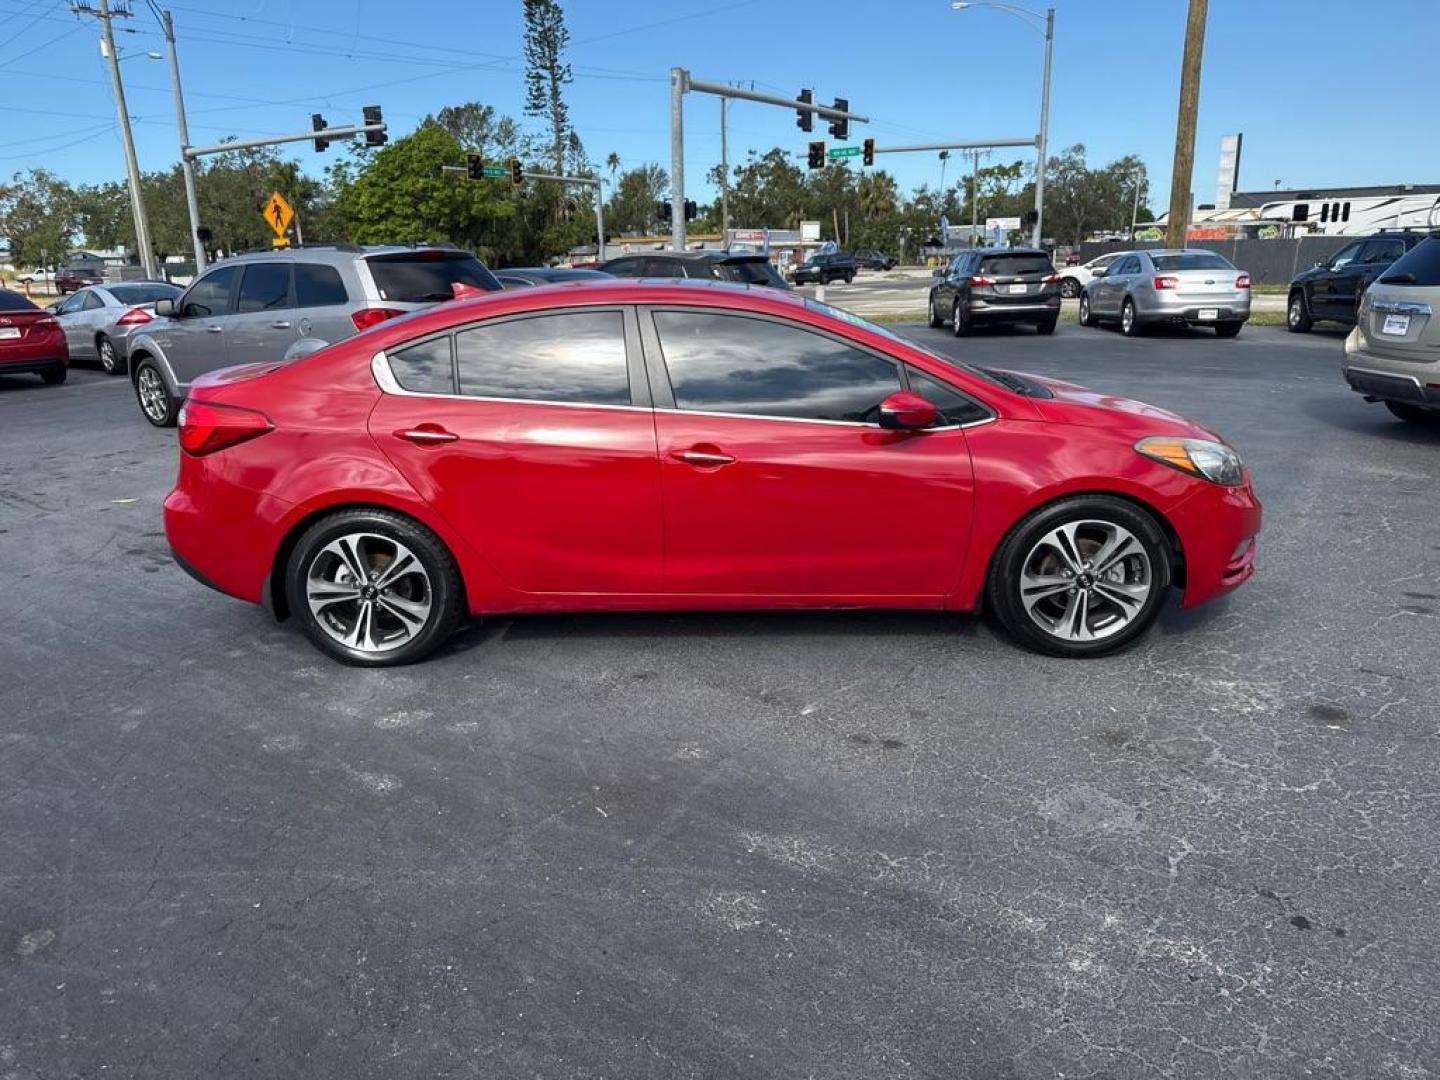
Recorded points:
(143,292)
(210,295)
(264,287)
(512,281)
(318,285)
(570,356)
(1419,266)
(426,276)
(757,272)
(734,364)
(1191,260)
(13,301)
(668,268)
(1345,256)
(624,268)
(1005,265)
(1382,251)
(1104,260)
(424,368)
(955,407)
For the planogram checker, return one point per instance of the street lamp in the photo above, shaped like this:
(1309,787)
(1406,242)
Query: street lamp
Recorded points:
(1044,26)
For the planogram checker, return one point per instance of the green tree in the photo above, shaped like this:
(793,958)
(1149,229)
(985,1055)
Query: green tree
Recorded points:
(546,73)
(769,191)
(631,209)
(37,216)
(1080,200)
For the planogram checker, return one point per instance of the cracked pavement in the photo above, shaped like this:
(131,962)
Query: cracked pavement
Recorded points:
(808,845)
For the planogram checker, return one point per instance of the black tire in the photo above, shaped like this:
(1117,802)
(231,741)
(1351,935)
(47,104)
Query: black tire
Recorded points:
(1297,314)
(849,279)
(1228,329)
(111,362)
(959,319)
(159,406)
(936,322)
(1069,287)
(1087,317)
(446,592)
(1047,327)
(1129,319)
(56,375)
(1002,588)
(1414,414)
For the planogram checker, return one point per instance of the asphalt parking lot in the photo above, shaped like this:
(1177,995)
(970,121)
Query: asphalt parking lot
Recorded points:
(789,845)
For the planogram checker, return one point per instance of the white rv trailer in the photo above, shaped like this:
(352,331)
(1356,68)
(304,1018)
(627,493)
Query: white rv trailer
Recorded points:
(1353,215)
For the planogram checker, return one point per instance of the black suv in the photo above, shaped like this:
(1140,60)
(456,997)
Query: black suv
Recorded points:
(823,269)
(874,260)
(747,269)
(1332,288)
(996,285)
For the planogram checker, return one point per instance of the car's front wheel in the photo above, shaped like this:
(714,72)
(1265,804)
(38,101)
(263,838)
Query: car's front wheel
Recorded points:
(1297,315)
(936,319)
(1414,414)
(1129,321)
(373,588)
(110,361)
(157,404)
(1082,577)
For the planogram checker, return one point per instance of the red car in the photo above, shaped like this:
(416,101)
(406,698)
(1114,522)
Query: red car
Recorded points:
(31,340)
(643,445)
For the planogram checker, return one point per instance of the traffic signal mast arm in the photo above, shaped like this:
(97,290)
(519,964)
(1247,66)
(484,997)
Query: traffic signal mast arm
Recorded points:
(328,134)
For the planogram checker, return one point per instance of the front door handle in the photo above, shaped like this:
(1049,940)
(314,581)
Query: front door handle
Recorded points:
(703,458)
(427,435)
(214,329)
(280,324)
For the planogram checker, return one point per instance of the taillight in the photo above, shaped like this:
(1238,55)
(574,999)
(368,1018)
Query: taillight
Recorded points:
(48,323)
(134,317)
(1243,281)
(205,428)
(978,280)
(1165,281)
(1049,279)
(372,316)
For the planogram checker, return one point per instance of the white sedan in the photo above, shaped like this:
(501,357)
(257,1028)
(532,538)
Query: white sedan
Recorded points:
(1075,278)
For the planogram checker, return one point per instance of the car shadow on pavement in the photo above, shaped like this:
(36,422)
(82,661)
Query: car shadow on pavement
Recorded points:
(1345,410)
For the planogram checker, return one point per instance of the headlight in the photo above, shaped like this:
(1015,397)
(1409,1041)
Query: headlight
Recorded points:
(1214,461)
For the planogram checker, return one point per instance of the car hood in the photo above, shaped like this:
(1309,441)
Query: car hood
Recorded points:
(1083,407)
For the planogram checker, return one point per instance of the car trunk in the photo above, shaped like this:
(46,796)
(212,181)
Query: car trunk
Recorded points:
(1013,279)
(22,328)
(1400,323)
(1200,277)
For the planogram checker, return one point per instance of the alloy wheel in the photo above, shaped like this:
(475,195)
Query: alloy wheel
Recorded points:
(1085,580)
(1084,310)
(369,592)
(1127,317)
(153,399)
(109,358)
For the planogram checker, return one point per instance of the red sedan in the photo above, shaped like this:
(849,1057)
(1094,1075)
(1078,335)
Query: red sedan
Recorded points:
(642,445)
(31,340)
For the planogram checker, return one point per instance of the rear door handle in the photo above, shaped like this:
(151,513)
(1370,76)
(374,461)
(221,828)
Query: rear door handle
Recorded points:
(705,459)
(214,329)
(427,435)
(280,324)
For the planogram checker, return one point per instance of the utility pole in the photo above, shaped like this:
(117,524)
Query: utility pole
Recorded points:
(132,166)
(724,176)
(974,195)
(1135,210)
(1044,139)
(187,166)
(1180,175)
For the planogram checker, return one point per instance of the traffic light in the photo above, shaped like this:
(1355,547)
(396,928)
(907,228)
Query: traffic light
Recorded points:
(664,211)
(817,155)
(1029,218)
(841,128)
(517,172)
(867,153)
(317,123)
(372,116)
(475,166)
(804,118)
(690,210)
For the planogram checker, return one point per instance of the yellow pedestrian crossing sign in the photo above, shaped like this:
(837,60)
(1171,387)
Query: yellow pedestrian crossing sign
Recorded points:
(278,214)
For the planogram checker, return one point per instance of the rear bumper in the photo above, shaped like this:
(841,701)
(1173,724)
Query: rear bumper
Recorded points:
(223,535)
(1217,527)
(1385,379)
(33,366)
(1190,314)
(1039,310)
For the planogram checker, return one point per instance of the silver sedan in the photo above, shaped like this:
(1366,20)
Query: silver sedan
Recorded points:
(1198,288)
(99,319)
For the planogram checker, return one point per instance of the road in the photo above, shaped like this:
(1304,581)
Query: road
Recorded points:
(732,845)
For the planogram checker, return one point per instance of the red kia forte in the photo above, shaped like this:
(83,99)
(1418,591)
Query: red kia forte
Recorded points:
(641,445)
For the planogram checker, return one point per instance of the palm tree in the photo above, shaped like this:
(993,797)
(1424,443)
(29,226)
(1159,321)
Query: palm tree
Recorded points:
(613,164)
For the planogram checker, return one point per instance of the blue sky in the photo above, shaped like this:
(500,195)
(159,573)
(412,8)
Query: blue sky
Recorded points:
(1325,91)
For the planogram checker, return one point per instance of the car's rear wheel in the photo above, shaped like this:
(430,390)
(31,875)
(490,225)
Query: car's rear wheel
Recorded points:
(1087,317)
(1414,414)
(959,319)
(1069,287)
(936,320)
(1082,577)
(54,376)
(1228,329)
(1129,322)
(373,588)
(1297,315)
(157,404)
(110,361)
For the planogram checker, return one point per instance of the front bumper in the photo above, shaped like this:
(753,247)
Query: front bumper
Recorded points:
(1218,527)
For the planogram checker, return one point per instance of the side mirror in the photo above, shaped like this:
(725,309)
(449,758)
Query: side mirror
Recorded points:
(906,410)
(939,271)
(1321,264)
(166,307)
(1100,271)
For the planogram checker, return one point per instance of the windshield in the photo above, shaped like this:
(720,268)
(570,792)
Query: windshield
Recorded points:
(421,277)
(1191,260)
(143,293)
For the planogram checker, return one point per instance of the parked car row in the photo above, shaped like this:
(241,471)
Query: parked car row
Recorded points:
(1179,288)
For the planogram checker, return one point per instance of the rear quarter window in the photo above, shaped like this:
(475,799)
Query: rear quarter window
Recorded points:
(1420,266)
(425,278)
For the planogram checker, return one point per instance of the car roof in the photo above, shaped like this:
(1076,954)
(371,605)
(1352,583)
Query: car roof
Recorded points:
(339,252)
(1008,251)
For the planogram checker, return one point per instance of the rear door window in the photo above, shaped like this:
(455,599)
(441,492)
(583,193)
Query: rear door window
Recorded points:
(425,277)
(264,287)
(318,285)
(1382,251)
(1016,265)
(577,357)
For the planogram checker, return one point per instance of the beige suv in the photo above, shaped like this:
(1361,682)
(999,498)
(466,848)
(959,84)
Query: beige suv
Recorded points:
(1393,354)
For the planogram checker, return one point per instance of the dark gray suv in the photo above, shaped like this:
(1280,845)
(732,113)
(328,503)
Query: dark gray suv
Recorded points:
(279,305)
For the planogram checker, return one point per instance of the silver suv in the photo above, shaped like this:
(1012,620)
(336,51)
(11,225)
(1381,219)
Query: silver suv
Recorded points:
(266,306)
(1198,288)
(1393,354)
